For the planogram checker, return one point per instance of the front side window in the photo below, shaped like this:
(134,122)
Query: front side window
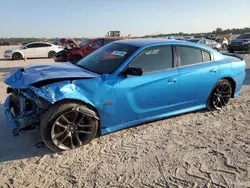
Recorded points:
(83,43)
(43,45)
(189,55)
(96,44)
(34,45)
(107,59)
(154,59)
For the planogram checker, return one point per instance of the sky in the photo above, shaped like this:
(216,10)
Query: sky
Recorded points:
(93,18)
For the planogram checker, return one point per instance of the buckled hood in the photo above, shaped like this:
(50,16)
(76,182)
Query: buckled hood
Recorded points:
(23,77)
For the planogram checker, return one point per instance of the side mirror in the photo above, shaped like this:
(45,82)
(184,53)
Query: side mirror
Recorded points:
(135,71)
(25,47)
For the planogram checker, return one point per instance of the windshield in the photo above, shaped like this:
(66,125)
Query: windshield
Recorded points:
(108,58)
(83,43)
(244,36)
(193,40)
(219,40)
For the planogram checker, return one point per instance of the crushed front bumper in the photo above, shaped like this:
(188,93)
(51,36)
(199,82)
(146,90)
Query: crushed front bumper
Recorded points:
(23,110)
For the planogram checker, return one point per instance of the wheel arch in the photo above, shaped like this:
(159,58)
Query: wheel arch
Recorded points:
(78,101)
(20,52)
(232,82)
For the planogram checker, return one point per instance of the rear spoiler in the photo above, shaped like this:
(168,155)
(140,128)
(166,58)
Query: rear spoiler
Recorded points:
(233,55)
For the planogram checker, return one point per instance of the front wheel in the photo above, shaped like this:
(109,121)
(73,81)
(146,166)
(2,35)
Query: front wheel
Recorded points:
(220,95)
(17,56)
(68,126)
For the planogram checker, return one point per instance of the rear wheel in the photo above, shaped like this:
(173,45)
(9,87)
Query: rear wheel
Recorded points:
(216,49)
(17,56)
(220,95)
(51,54)
(68,126)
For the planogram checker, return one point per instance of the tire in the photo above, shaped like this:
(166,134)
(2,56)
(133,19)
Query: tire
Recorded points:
(220,95)
(230,50)
(51,54)
(17,56)
(224,46)
(53,123)
(216,49)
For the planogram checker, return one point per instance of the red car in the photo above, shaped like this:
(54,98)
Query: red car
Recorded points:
(73,52)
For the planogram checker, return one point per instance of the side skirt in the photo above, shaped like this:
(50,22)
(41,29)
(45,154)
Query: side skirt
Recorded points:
(149,119)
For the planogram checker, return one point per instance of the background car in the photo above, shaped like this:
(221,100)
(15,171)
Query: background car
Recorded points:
(122,84)
(208,42)
(241,43)
(223,41)
(74,52)
(33,50)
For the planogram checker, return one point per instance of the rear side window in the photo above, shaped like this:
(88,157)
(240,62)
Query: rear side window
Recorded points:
(206,56)
(189,56)
(43,45)
(106,41)
(154,59)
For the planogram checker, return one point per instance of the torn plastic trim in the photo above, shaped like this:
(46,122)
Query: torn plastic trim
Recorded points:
(87,112)
(9,116)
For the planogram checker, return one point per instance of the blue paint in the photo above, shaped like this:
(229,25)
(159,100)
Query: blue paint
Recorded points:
(135,99)
(8,114)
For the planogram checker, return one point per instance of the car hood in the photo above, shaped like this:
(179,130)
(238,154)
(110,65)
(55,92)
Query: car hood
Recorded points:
(69,42)
(24,77)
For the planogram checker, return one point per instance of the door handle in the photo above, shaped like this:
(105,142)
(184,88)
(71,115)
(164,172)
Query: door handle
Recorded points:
(213,71)
(172,80)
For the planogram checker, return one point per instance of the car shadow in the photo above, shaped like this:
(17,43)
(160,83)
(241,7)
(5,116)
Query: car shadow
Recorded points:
(247,79)
(23,146)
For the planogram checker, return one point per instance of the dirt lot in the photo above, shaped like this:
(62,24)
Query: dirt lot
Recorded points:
(203,149)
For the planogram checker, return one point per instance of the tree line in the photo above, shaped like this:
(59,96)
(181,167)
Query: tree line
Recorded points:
(21,40)
(215,32)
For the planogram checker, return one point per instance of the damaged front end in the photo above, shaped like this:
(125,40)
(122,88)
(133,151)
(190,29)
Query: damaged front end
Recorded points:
(23,109)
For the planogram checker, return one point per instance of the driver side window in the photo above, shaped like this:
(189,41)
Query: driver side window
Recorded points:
(96,43)
(154,59)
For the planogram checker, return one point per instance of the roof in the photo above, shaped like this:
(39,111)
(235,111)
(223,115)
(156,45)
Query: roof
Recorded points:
(147,41)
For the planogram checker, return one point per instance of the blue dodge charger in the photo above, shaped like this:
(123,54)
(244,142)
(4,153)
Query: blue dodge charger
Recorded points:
(122,84)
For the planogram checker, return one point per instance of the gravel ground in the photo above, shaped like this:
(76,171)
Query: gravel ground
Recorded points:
(202,149)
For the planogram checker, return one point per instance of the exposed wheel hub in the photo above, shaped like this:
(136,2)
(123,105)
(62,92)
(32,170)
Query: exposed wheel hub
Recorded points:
(72,129)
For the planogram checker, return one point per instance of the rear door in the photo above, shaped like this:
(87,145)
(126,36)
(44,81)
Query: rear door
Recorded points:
(198,73)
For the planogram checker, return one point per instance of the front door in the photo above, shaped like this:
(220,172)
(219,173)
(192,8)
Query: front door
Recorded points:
(198,74)
(153,93)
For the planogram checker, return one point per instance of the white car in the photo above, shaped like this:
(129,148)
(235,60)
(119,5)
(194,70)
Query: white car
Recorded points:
(33,50)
